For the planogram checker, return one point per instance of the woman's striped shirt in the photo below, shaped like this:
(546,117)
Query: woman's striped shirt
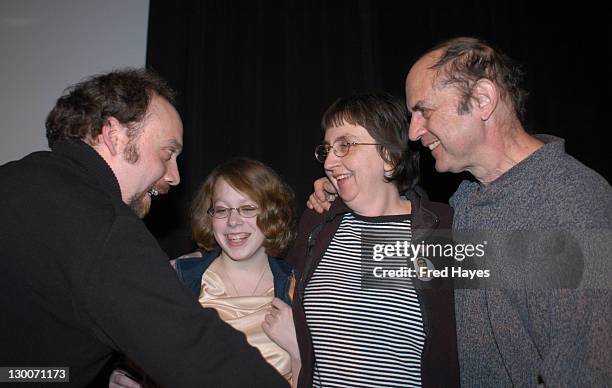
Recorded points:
(364,334)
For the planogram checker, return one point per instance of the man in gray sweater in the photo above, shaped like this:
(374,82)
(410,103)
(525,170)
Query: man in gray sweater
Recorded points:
(544,316)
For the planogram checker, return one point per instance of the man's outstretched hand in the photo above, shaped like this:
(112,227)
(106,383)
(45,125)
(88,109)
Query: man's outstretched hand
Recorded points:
(324,194)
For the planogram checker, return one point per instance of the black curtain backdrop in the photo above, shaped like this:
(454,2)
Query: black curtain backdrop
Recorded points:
(253,78)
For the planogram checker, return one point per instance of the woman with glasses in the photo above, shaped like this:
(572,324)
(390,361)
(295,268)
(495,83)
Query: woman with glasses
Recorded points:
(357,327)
(241,218)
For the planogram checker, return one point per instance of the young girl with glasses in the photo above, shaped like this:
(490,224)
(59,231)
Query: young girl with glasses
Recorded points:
(242,218)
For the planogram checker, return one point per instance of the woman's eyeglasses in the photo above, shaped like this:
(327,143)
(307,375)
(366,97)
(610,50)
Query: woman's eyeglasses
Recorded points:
(341,147)
(246,211)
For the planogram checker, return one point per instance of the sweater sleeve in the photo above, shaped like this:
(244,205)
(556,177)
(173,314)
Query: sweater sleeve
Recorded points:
(134,303)
(580,341)
(297,254)
(580,352)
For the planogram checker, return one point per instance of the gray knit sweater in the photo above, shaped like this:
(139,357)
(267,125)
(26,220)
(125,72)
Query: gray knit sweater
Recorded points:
(547,221)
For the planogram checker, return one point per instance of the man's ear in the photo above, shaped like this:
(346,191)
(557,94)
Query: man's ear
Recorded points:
(486,97)
(111,135)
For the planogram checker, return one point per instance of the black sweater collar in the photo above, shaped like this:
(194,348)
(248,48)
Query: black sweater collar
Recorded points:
(90,160)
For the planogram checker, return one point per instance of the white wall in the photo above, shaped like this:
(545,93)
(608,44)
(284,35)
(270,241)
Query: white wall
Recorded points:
(47,45)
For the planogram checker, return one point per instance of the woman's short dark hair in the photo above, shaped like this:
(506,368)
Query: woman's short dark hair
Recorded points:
(386,119)
(84,108)
(275,199)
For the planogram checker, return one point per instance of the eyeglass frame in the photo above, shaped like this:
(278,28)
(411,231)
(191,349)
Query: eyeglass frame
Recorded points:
(327,147)
(211,211)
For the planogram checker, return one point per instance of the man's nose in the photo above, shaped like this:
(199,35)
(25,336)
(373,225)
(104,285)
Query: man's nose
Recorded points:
(416,128)
(172,176)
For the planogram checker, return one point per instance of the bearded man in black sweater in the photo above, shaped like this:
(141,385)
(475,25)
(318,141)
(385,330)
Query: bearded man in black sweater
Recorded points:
(80,275)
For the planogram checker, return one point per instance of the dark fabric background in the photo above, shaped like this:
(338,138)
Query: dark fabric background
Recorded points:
(253,78)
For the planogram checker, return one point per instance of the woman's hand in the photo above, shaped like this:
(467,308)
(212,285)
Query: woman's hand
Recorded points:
(278,325)
(121,379)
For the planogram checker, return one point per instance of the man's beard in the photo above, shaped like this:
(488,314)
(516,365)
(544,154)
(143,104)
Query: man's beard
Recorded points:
(140,205)
(131,153)
(137,203)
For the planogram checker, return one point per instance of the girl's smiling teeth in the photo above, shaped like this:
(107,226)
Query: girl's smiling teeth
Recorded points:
(237,238)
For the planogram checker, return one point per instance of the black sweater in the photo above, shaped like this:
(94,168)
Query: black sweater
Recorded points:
(81,277)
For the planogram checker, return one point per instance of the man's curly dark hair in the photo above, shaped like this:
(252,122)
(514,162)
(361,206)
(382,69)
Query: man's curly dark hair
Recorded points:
(84,108)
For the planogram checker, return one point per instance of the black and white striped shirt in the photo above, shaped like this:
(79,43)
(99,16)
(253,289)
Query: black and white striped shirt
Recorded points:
(363,336)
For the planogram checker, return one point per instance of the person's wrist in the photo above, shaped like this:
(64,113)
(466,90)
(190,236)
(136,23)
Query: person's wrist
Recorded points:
(294,353)
(296,362)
